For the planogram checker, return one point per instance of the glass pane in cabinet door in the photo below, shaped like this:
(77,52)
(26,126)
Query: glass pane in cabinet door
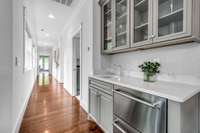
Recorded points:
(121,22)
(140,20)
(170,17)
(107,26)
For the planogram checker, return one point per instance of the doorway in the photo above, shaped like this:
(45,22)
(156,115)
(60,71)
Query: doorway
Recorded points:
(76,65)
(44,64)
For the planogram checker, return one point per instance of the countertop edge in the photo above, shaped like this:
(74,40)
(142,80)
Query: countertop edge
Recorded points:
(169,97)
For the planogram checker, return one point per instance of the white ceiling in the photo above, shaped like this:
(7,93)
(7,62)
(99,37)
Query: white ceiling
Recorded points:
(40,9)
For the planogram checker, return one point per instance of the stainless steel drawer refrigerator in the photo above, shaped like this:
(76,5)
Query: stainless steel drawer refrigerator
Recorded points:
(137,112)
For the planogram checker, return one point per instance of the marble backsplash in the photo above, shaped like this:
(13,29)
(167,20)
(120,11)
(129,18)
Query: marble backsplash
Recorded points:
(169,77)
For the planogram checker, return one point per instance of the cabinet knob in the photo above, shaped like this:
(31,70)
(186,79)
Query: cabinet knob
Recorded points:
(152,37)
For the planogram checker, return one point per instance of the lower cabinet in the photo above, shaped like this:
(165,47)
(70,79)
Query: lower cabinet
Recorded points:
(106,111)
(94,104)
(101,109)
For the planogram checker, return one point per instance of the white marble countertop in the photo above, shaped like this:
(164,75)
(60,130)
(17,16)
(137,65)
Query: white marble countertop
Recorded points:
(173,91)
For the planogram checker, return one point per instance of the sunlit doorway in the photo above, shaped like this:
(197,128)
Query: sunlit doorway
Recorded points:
(43,71)
(44,64)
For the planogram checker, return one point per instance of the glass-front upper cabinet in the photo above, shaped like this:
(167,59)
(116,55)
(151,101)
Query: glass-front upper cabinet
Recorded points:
(141,22)
(171,19)
(148,23)
(107,26)
(121,24)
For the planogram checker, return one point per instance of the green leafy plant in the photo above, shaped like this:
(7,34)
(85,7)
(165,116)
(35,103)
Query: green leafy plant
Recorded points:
(150,68)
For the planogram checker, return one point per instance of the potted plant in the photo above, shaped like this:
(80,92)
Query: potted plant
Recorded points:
(150,69)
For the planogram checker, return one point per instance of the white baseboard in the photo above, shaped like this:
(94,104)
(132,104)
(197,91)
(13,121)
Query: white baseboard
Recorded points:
(84,106)
(16,126)
(68,91)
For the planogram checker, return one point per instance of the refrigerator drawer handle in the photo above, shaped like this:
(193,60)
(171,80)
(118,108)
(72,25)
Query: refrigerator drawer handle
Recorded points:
(153,105)
(118,127)
(100,89)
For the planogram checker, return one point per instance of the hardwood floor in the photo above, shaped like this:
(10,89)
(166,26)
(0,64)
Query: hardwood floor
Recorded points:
(52,110)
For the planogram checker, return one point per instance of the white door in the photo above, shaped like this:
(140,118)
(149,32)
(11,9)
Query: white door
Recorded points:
(74,70)
(76,66)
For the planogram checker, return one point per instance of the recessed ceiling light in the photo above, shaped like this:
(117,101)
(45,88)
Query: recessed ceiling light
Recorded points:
(47,35)
(51,16)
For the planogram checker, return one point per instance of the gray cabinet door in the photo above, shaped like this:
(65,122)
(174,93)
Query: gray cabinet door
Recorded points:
(171,19)
(106,113)
(141,27)
(107,29)
(94,104)
(121,24)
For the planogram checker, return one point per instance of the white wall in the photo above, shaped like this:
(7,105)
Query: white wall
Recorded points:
(84,16)
(61,66)
(99,61)
(180,63)
(6,64)
(57,70)
(15,85)
(22,81)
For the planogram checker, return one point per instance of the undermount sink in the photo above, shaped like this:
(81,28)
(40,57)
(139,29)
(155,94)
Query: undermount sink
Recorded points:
(109,76)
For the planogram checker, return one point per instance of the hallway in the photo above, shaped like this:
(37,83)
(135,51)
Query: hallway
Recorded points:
(52,110)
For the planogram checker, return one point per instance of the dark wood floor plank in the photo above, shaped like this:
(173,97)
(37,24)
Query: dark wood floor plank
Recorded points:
(52,110)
